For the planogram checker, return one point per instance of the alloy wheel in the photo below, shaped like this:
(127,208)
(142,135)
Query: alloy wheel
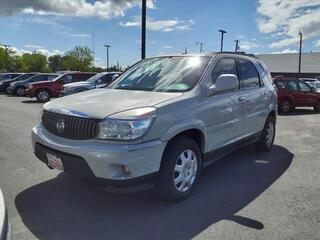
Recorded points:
(185,170)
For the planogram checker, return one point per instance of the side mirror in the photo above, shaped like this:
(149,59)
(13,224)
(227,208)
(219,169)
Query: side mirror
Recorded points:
(224,83)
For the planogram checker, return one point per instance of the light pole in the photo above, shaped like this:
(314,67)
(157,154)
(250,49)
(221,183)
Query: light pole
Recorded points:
(143,29)
(201,45)
(222,32)
(237,45)
(107,56)
(300,49)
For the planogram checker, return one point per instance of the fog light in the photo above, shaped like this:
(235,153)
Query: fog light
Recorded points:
(126,170)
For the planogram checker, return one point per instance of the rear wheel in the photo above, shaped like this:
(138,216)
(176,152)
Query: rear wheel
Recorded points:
(267,136)
(317,107)
(20,91)
(286,106)
(43,95)
(180,169)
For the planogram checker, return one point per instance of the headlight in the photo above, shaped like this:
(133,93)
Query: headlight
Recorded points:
(127,125)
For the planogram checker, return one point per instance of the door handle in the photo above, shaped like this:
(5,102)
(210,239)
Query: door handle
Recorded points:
(241,99)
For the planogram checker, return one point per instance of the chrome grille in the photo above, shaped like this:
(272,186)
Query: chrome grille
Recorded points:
(76,128)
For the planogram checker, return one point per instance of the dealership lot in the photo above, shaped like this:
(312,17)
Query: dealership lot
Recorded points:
(246,195)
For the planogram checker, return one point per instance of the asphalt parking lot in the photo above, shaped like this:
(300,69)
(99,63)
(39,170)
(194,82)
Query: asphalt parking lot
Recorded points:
(246,195)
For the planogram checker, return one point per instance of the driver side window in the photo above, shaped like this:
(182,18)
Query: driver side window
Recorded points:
(224,66)
(304,87)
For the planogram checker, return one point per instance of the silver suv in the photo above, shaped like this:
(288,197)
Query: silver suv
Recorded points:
(160,122)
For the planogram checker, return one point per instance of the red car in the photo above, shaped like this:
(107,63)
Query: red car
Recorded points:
(296,93)
(43,91)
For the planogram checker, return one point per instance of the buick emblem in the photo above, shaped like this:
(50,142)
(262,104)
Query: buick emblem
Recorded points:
(60,126)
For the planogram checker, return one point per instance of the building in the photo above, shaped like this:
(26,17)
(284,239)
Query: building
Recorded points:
(287,64)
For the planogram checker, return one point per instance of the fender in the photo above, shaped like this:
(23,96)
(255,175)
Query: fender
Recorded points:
(182,126)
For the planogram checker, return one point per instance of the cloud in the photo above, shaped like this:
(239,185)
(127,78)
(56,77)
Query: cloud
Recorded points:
(78,35)
(247,45)
(317,43)
(167,47)
(285,18)
(160,25)
(32,46)
(288,50)
(80,8)
(38,49)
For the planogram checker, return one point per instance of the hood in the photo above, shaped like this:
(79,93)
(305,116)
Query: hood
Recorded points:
(78,84)
(100,103)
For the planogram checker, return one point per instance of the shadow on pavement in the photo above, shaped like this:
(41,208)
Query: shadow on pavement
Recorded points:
(70,208)
(300,111)
(30,101)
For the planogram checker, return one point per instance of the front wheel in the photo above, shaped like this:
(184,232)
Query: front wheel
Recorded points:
(21,91)
(180,169)
(43,95)
(267,136)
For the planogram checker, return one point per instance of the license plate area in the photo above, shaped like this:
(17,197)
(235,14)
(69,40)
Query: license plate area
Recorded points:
(54,162)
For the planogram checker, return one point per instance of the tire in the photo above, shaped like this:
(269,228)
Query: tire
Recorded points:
(286,106)
(20,91)
(43,95)
(317,107)
(267,136)
(180,169)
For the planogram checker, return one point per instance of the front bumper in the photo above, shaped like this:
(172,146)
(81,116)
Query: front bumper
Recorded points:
(99,160)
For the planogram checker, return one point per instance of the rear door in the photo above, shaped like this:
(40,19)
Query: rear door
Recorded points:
(297,96)
(254,95)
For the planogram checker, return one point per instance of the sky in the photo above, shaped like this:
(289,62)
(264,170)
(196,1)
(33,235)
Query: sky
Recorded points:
(56,26)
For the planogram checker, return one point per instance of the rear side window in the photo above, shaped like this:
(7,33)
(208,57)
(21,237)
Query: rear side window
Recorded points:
(249,74)
(293,85)
(84,77)
(224,66)
(304,87)
(40,78)
(51,77)
(281,84)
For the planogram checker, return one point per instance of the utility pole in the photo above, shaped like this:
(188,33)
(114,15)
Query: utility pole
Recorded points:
(201,45)
(237,45)
(107,55)
(143,29)
(186,50)
(300,49)
(94,60)
(222,32)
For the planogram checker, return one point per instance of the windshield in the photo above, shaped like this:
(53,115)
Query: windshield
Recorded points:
(163,74)
(95,77)
(24,76)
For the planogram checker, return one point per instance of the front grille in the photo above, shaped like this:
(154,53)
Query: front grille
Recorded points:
(76,128)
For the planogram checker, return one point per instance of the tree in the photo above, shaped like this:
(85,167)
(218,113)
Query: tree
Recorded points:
(35,62)
(55,63)
(78,59)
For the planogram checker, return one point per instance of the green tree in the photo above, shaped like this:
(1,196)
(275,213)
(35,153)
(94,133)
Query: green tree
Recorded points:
(78,59)
(35,62)
(55,63)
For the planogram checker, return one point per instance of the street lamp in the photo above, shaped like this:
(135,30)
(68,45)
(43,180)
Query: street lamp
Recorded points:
(237,45)
(222,32)
(143,29)
(201,45)
(107,55)
(299,72)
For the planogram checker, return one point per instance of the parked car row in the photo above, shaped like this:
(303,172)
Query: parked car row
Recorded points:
(43,86)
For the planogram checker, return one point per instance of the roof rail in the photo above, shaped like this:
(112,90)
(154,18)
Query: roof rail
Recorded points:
(238,53)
